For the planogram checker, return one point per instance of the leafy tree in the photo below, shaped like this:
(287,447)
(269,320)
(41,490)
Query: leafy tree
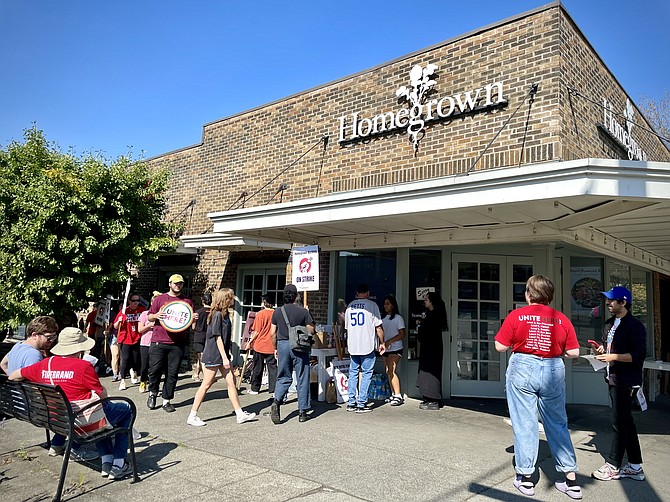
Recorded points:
(71,225)
(657,112)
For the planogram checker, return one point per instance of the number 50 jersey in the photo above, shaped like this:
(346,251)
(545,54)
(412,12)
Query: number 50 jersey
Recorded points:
(361,320)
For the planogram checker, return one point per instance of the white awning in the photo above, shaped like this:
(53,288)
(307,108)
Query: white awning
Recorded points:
(618,208)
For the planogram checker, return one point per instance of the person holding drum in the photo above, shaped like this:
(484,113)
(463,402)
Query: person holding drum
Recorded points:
(215,358)
(172,315)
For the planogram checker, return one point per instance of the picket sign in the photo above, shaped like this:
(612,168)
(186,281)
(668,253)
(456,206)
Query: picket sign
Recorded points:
(339,370)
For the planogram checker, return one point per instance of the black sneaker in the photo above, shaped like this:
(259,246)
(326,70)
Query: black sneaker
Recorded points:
(169,408)
(303,416)
(274,413)
(120,472)
(351,407)
(151,402)
(363,409)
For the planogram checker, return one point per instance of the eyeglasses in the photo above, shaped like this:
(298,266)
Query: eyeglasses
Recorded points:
(50,337)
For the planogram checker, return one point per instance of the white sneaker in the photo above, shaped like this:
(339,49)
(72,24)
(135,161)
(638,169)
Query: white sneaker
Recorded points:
(196,421)
(136,434)
(251,392)
(122,385)
(245,417)
(134,380)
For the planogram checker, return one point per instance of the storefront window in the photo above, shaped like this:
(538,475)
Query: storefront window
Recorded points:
(375,268)
(425,274)
(586,285)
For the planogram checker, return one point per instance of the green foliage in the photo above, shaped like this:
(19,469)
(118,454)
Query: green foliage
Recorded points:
(70,226)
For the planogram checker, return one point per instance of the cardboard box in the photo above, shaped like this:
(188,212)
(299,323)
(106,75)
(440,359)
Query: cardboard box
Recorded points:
(320,340)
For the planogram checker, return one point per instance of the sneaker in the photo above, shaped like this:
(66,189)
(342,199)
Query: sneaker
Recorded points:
(274,413)
(122,385)
(525,485)
(108,370)
(251,392)
(572,491)
(628,472)
(83,454)
(196,421)
(143,387)
(606,473)
(105,469)
(54,451)
(351,407)
(134,380)
(137,435)
(168,407)
(245,417)
(116,378)
(120,472)
(303,416)
(363,409)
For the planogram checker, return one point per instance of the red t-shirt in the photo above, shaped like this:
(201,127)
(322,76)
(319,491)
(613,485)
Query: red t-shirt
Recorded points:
(539,330)
(76,377)
(159,334)
(90,320)
(263,339)
(128,333)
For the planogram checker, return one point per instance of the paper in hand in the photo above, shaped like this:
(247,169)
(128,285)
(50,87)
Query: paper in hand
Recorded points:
(597,365)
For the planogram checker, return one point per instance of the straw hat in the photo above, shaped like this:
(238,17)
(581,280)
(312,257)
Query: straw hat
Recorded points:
(71,341)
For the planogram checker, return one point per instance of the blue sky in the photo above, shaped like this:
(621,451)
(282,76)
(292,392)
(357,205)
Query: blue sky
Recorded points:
(144,76)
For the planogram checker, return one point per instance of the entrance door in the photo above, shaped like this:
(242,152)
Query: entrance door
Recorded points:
(484,289)
(253,282)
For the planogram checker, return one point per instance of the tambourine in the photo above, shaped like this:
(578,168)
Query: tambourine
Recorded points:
(179,316)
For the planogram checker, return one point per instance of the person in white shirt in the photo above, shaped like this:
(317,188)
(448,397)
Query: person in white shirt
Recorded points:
(362,321)
(394,332)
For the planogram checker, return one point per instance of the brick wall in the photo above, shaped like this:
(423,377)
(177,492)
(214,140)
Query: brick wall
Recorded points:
(260,149)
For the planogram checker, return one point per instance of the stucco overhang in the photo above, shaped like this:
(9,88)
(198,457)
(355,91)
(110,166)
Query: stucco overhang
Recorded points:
(618,208)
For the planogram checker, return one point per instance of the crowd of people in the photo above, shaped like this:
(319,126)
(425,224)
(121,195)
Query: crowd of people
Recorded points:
(149,350)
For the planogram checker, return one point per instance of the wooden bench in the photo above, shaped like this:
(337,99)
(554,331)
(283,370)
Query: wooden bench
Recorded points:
(46,406)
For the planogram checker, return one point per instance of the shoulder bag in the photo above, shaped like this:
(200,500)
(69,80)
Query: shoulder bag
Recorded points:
(299,338)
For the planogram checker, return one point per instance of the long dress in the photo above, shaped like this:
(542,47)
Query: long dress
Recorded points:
(429,335)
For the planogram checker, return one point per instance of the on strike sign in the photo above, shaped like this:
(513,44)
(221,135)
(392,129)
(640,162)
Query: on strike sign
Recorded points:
(306,268)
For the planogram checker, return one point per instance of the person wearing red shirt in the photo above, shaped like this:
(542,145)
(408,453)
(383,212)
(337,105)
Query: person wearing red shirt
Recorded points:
(167,349)
(78,380)
(128,338)
(538,336)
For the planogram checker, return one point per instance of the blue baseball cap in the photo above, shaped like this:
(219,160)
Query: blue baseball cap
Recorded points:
(618,293)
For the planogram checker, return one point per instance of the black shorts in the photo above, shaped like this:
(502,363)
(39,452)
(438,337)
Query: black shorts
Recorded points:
(399,352)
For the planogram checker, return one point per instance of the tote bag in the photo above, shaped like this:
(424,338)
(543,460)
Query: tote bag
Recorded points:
(90,421)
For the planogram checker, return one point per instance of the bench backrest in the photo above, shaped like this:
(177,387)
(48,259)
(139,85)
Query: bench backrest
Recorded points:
(41,405)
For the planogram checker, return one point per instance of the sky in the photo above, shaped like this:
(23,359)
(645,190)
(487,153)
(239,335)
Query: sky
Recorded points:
(141,77)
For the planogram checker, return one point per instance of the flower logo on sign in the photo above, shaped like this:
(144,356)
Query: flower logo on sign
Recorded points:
(421,82)
(305,265)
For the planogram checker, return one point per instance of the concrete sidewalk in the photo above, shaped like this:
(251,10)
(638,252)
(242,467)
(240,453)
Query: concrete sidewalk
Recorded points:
(462,452)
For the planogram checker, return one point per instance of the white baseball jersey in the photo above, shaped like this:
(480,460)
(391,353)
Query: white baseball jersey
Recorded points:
(361,320)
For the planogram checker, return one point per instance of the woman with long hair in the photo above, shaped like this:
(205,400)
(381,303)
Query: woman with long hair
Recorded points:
(215,358)
(394,332)
(429,335)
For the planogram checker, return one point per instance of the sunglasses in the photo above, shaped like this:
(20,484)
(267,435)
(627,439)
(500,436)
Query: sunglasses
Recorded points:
(134,299)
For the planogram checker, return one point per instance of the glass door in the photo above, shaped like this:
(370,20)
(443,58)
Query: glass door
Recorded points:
(484,289)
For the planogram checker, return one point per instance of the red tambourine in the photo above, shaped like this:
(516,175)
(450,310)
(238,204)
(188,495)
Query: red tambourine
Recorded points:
(179,316)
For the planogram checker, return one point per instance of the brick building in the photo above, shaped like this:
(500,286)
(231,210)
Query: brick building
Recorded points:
(464,167)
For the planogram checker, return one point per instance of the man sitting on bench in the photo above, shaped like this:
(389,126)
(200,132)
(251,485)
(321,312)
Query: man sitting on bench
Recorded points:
(78,378)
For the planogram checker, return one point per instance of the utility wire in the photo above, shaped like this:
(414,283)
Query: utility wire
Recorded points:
(574,92)
(531,94)
(321,139)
